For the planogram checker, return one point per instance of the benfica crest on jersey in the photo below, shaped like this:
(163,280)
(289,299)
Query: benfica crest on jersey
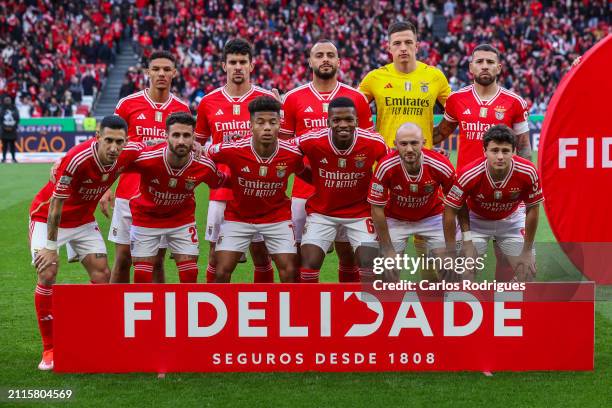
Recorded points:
(281,170)
(499,112)
(190,184)
(424,87)
(514,195)
(428,188)
(360,161)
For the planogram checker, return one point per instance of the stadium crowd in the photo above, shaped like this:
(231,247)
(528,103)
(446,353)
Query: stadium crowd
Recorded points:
(54,56)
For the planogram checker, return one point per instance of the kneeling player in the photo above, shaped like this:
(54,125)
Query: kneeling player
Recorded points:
(63,213)
(341,157)
(260,166)
(493,188)
(405,194)
(165,206)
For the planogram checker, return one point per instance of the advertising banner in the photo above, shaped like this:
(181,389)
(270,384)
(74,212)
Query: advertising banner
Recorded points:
(322,327)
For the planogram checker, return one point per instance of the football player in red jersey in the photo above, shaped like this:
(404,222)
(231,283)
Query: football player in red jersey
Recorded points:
(405,194)
(305,110)
(145,112)
(165,205)
(223,115)
(481,105)
(476,108)
(260,166)
(493,188)
(63,212)
(341,157)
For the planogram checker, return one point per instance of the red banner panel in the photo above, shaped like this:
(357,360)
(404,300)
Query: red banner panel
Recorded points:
(320,327)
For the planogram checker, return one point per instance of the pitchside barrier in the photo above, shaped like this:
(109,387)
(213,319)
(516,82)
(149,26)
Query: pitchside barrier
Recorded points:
(46,139)
(164,328)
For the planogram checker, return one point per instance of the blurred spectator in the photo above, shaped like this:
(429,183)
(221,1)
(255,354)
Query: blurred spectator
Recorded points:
(46,47)
(9,120)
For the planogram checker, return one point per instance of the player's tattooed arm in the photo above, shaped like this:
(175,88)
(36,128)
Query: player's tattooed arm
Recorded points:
(54,217)
(449,222)
(443,130)
(523,146)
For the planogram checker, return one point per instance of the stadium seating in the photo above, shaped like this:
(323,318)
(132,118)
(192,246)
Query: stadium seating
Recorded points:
(539,40)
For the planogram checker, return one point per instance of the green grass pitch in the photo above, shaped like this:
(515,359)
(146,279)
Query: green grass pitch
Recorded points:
(20,346)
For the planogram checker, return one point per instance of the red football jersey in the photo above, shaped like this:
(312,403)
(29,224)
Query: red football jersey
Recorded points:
(221,117)
(476,116)
(411,197)
(146,120)
(82,179)
(258,183)
(496,200)
(305,110)
(166,198)
(341,178)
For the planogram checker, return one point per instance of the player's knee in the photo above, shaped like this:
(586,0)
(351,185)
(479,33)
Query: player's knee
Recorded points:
(212,258)
(288,272)
(100,275)
(223,274)
(47,276)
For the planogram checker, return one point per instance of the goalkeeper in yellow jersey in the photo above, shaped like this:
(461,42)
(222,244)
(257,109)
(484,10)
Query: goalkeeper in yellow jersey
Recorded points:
(406,91)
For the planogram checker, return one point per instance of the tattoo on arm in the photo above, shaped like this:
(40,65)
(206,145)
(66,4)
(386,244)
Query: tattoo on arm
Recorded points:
(54,217)
(523,146)
(443,131)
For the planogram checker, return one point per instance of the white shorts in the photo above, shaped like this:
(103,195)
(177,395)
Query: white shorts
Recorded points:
(183,240)
(321,230)
(298,217)
(236,236)
(430,229)
(509,232)
(85,239)
(214,219)
(119,232)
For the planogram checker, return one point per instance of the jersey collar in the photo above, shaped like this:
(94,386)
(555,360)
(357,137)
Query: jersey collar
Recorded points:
(155,105)
(101,167)
(342,152)
(264,160)
(242,98)
(172,171)
(328,97)
(490,101)
(409,177)
(502,183)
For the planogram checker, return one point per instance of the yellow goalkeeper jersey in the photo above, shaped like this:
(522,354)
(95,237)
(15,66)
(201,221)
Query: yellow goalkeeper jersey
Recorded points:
(402,98)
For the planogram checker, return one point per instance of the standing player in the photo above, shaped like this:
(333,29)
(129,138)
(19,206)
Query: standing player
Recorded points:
(63,213)
(475,108)
(405,91)
(341,157)
(405,194)
(223,115)
(493,188)
(145,112)
(165,206)
(260,166)
(305,110)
